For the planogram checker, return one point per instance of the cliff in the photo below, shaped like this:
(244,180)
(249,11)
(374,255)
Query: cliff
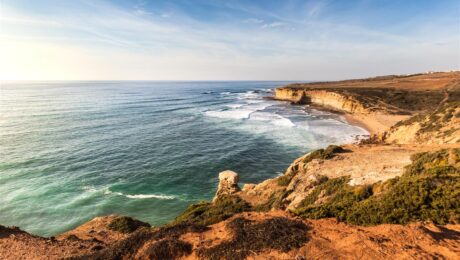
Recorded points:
(378,103)
(330,99)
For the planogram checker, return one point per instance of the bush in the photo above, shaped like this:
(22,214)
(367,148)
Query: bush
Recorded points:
(275,201)
(284,180)
(206,213)
(278,233)
(323,154)
(168,249)
(428,190)
(126,224)
(122,249)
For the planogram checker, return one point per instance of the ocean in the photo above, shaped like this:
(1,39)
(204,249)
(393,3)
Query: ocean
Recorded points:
(71,151)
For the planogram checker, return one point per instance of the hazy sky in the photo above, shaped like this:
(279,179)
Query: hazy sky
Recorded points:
(226,40)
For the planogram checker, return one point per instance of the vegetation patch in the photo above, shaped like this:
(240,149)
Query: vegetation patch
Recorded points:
(410,120)
(206,213)
(168,249)
(396,101)
(439,118)
(123,249)
(323,154)
(430,122)
(250,237)
(127,247)
(428,190)
(126,225)
(284,180)
(275,201)
(6,231)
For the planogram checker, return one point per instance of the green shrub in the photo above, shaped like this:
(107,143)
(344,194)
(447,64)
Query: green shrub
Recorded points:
(284,180)
(275,201)
(122,249)
(126,224)
(168,249)
(411,120)
(323,154)
(206,213)
(428,190)
(281,234)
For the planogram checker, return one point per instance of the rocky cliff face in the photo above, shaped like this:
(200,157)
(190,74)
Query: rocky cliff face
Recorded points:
(326,98)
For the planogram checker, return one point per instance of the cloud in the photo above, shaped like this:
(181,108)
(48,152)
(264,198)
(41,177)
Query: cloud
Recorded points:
(253,20)
(274,25)
(315,8)
(117,43)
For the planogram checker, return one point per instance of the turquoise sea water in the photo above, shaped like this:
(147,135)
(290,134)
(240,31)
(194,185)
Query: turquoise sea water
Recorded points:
(70,151)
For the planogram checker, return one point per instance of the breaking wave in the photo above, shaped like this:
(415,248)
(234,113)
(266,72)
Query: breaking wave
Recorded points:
(139,196)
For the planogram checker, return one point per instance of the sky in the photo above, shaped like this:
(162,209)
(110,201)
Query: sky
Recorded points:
(226,40)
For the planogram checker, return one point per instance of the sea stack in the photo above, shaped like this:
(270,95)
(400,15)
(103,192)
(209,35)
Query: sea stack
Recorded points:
(228,184)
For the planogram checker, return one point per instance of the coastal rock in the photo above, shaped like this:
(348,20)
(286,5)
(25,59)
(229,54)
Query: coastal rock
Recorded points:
(228,184)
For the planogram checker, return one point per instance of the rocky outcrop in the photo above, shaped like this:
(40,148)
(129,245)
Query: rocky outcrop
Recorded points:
(228,184)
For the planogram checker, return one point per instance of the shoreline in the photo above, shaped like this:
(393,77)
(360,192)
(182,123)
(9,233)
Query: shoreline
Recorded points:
(356,121)
(374,123)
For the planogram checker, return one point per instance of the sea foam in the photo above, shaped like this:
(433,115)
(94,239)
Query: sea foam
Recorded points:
(271,118)
(140,196)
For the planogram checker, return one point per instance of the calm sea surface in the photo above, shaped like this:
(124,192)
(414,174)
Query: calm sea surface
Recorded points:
(70,151)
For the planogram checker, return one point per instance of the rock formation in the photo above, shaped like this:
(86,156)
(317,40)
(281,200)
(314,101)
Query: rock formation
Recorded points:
(228,184)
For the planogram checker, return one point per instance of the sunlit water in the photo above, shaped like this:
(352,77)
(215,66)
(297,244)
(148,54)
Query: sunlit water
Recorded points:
(73,151)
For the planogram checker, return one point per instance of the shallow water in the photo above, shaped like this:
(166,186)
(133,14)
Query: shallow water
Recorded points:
(70,151)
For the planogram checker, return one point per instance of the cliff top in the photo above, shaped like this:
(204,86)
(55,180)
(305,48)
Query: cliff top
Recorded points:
(413,82)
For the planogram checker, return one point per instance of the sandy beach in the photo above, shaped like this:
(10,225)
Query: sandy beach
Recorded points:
(374,123)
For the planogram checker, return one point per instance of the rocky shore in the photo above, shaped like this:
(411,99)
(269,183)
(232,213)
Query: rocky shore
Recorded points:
(395,195)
